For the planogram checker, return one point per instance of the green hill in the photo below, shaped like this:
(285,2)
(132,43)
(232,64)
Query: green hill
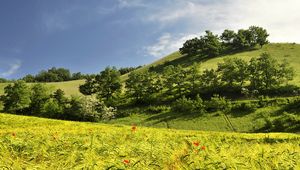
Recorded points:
(36,143)
(69,87)
(280,51)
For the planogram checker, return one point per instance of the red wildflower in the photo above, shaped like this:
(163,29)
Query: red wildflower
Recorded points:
(196,143)
(14,134)
(126,161)
(203,147)
(133,128)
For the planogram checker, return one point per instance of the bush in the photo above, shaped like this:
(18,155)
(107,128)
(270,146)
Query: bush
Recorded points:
(157,109)
(187,105)
(52,109)
(285,123)
(218,103)
(89,108)
(244,107)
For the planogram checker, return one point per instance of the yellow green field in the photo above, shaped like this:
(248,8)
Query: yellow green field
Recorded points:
(36,143)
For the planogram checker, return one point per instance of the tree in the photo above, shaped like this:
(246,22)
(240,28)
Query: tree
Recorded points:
(88,88)
(17,97)
(191,47)
(193,78)
(142,85)
(108,83)
(244,40)
(175,80)
(260,35)
(40,94)
(266,72)
(29,78)
(211,44)
(210,79)
(234,71)
(227,38)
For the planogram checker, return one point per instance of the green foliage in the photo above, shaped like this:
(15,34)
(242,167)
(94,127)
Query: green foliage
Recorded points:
(266,73)
(143,85)
(188,106)
(52,109)
(244,107)
(191,47)
(218,103)
(89,108)
(108,83)
(175,80)
(284,123)
(17,97)
(39,95)
(212,45)
(234,71)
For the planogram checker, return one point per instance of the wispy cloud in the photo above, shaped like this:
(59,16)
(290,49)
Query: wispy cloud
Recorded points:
(12,68)
(131,3)
(166,44)
(279,17)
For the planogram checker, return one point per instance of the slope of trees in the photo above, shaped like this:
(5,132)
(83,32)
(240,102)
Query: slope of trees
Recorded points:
(211,45)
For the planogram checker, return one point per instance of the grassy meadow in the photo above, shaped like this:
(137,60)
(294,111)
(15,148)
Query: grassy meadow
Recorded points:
(37,143)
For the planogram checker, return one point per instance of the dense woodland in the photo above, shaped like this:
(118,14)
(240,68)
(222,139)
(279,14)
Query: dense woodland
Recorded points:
(188,90)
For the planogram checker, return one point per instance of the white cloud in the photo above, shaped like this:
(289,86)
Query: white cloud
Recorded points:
(280,18)
(131,3)
(12,68)
(166,44)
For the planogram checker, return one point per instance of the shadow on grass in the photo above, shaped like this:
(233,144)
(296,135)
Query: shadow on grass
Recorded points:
(187,60)
(168,116)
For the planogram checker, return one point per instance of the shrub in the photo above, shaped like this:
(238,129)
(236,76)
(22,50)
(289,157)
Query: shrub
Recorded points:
(245,107)
(89,108)
(285,123)
(218,103)
(52,109)
(187,105)
(157,109)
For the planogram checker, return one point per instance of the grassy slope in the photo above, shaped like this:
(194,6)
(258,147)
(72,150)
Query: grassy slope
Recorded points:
(280,51)
(35,143)
(69,87)
(291,52)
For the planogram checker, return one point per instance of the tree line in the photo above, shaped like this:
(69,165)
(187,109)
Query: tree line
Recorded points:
(210,45)
(232,78)
(62,74)
(39,100)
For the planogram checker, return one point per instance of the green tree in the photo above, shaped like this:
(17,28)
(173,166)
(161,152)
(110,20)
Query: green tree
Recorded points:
(142,85)
(210,79)
(227,38)
(211,44)
(17,97)
(40,94)
(260,35)
(88,88)
(191,47)
(175,80)
(266,72)
(108,83)
(234,71)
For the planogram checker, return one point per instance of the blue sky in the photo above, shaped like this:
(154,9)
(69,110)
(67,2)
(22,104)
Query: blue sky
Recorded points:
(88,35)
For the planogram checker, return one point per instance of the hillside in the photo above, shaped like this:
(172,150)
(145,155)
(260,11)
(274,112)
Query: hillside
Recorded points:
(36,143)
(69,87)
(280,51)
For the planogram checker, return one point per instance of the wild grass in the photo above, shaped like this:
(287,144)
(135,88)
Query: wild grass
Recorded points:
(36,143)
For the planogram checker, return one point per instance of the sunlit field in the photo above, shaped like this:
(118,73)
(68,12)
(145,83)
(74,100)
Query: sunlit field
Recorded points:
(36,143)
